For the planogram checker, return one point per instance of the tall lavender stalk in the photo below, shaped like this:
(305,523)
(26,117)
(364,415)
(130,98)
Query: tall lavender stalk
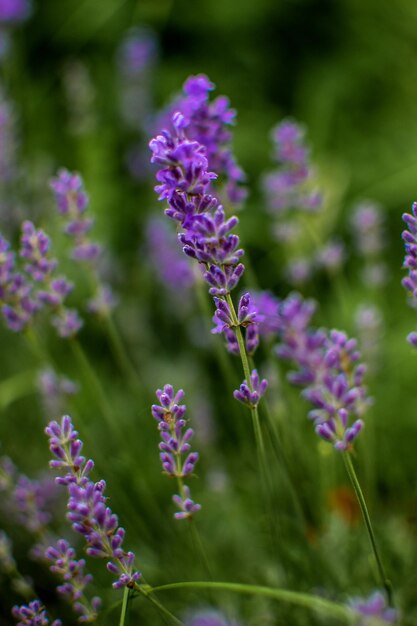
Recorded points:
(206,235)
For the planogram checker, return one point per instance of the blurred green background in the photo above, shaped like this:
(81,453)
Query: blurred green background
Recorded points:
(347,70)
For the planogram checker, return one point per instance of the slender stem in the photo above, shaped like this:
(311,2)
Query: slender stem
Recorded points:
(124,606)
(285,595)
(386,583)
(160,607)
(95,383)
(246,371)
(199,546)
(120,353)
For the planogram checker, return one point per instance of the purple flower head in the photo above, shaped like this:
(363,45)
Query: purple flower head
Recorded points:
(175,448)
(410,262)
(374,610)
(299,270)
(367,224)
(290,186)
(266,306)
(35,246)
(74,580)
(103,302)
(33,614)
(246,314)
(208,618)
(186,505)
(14,11)
(58,290)
(250,393)
(55,390)
(331,256)
(172,268)
(70,194)
(67,323)
(223,279)
(137,53)
(209,123)
(87,505)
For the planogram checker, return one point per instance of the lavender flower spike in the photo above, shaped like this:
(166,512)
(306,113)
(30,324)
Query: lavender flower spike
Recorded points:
(374,610)
(33,614)
(175,445)
(251,394)
(64,564)
(87,510)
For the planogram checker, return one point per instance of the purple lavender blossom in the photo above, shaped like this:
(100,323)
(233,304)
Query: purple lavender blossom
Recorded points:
(173,270)
(250,394)
(67,323)
(55,390)
(137,52)
(208,618)
(410,261)
(34,249)
(331,256)
(14,11)
(223,317)
(330,371)
(103,302)
(367,223)
(33,614)
(289,187)
(176,443)
(66,566)
(87,510)
(208,124)
(374,610)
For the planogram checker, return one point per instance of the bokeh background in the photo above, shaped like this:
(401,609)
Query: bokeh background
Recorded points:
(345,69)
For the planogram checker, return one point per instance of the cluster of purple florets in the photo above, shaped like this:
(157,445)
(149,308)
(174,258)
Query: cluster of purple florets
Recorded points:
(410,261)
(175,445)
(208,123)
(72,203)
(25,290)
(87,509)
(328,369)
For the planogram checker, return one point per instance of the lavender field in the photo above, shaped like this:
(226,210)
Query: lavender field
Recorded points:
(208,295)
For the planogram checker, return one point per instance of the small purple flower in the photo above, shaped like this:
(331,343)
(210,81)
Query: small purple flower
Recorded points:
(208,618)
(71,571)
(67,323)
(186,505)
(367,223)
(87,509)
(250,393)
(103,302)
(35,246)
(70,195)
(33,614)
(55,390)
(374,610)
(175,449)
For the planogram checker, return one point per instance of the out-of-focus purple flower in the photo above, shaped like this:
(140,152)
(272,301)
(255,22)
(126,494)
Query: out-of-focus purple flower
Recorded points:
(14,11)
(71,571)
(173,270)
(175,449)
(266,306)
(34,249)
(87,510)
(251,393)
(70,195)
(369,324)
(291,186)
(32,500)
(299,270)
(33,614)
(104,301)
(331,256)
(208,617)
(329,369)
(209,123)
(374,610)
(67,323)
(367,224)
(137,52)
(55,390)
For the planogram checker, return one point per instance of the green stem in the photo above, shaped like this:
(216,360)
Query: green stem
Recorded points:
(386,583)
(199,547)
(246,371)
(124,606)
(120,354)
(284,595)
(95,384)
(159,606)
